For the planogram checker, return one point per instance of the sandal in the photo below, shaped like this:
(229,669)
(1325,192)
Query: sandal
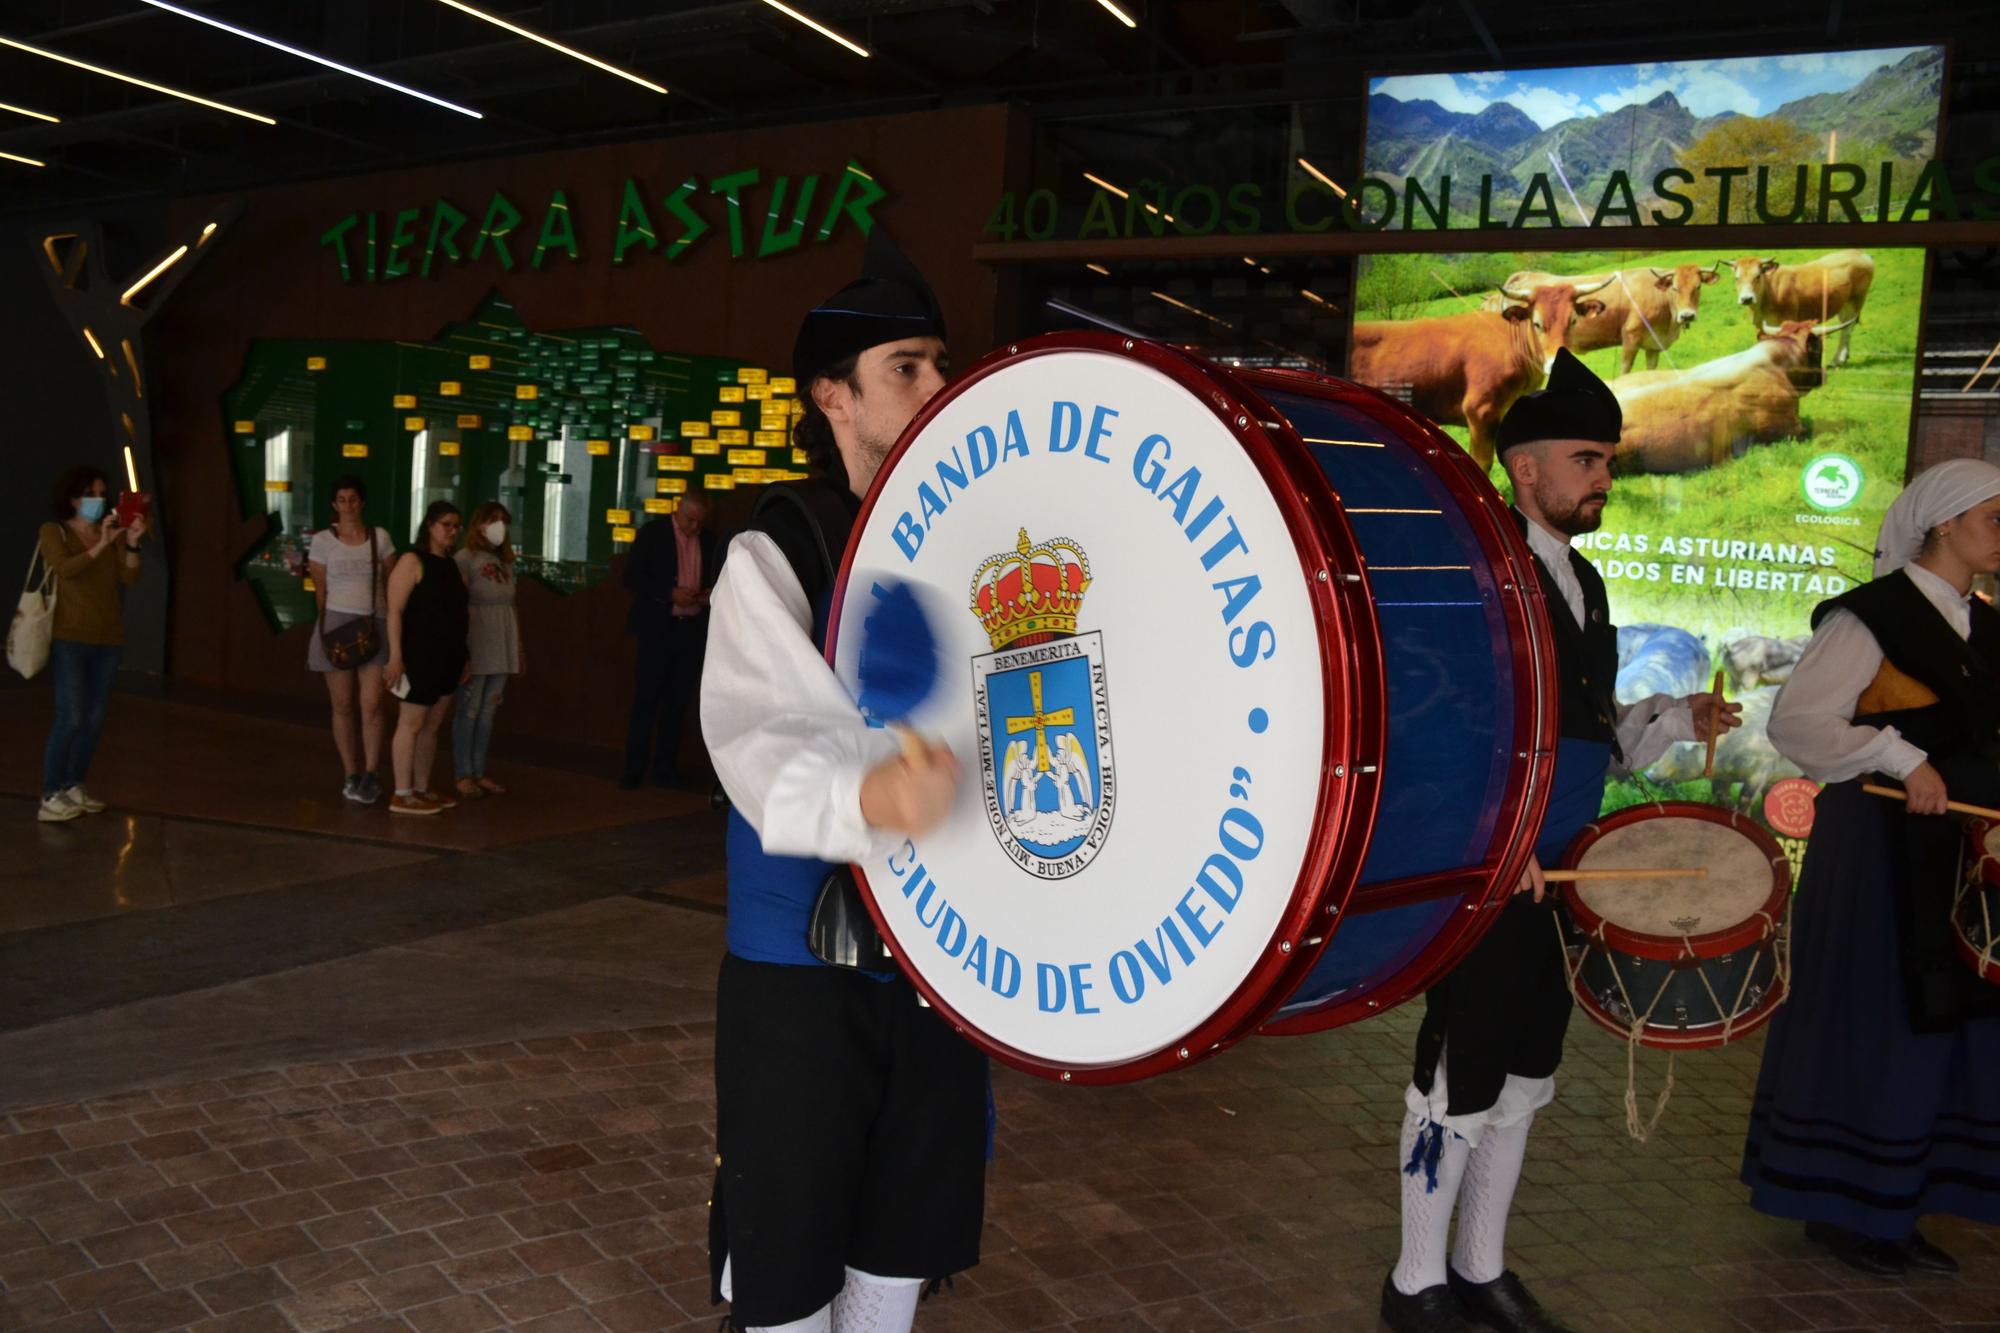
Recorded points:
(469,789)
(491,788)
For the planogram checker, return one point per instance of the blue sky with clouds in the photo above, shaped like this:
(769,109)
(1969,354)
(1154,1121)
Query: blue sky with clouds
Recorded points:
(1748,85)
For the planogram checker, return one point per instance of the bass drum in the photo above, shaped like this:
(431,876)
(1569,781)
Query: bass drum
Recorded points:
(1252,684)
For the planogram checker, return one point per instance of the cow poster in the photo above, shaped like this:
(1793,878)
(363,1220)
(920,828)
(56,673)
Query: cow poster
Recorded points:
(1767,403)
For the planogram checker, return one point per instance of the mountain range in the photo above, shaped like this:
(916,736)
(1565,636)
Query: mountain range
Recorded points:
(1895,107)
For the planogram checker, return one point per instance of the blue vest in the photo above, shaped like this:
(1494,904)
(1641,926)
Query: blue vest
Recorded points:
(770,898)
(1576,790)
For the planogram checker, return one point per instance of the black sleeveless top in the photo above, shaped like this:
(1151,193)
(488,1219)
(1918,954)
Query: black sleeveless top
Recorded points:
(435,620)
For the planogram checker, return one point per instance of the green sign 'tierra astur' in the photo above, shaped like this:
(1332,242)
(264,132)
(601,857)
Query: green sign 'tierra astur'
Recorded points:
(1801,193)
(761,217)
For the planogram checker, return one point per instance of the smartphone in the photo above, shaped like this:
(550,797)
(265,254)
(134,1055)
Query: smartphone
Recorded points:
(131,505)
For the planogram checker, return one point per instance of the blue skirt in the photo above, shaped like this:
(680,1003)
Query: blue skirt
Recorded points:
(1859,1120)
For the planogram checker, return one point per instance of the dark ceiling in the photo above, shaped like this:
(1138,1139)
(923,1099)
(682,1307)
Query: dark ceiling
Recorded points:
(743,62)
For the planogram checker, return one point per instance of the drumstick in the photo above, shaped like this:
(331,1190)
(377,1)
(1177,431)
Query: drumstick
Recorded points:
(1894,794)
(1714,728)
(1590,876)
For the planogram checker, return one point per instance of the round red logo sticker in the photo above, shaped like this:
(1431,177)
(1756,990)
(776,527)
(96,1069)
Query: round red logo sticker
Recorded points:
(1788,806)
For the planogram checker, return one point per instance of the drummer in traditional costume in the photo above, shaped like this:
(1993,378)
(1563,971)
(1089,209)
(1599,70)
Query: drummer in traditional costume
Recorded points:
(851,1122)
(1493,1029)
(1879,1098)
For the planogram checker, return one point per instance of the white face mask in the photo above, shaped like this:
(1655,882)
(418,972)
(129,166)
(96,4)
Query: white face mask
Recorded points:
(495,534)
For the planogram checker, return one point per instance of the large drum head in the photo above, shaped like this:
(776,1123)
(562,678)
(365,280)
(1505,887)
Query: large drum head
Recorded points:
(1735,902)
(1140,606)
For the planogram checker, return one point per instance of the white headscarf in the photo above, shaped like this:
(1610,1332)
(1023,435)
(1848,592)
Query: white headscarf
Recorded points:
(1940,493)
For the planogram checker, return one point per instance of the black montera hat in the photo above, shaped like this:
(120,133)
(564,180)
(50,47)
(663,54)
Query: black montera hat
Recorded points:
(890,301)
(1576,405)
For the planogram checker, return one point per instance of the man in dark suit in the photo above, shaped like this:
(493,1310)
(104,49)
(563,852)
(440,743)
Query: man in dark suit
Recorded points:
(670,572)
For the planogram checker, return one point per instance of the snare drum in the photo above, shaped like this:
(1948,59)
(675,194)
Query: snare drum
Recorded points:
(1253,688)
(1679,964)
(1975,914)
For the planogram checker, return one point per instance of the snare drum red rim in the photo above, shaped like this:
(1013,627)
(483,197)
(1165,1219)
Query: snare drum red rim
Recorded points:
(1530,638)
(1667,948)
(1975,836)
(1989,875)
(1354,701)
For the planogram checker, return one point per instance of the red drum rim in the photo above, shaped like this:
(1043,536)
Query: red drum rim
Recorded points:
(1662,1038)
(1674,948)
(1355,702)
(1486,887)
(1989,875)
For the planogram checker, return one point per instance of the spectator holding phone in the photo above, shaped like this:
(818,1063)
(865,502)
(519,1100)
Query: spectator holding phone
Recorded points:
(428,623)
(348,562)
(93,558)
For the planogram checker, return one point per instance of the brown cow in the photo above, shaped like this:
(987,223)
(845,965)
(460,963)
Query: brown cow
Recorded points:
(1645,309)
(1467,370)
(1832,287)
(1681,421)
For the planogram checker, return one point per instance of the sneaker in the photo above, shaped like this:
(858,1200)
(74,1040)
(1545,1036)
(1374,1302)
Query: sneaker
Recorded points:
(413,804)
(350,789)
(439,799)
(58,808)
(370,790)
(84,801)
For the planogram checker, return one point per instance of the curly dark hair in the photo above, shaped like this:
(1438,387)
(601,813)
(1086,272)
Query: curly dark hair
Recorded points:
(438,509)
(73,482)
(813,433)
(347,481)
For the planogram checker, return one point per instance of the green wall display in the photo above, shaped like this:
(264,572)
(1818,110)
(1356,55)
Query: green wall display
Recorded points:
(582,434)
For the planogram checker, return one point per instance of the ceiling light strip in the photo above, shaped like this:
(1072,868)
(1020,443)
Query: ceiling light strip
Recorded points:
(288,49)
(136,81)
(16,157)
(1118,14)
(553,45)
(157,270)
(817,27)
(32,115)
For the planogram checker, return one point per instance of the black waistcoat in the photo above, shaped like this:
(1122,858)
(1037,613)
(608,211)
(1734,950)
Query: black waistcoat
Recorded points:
(1586,655)
(1920,643)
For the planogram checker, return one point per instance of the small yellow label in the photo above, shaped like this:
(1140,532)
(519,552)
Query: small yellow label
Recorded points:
(654,506)
(670,485)
(732,436)
(527,392)
(746,458)
(751,475)
(730,393)
(639,431)
(308,584)
(718,481)
(520,432)
(279,486)
(450,388)
(758,393)
(726,416)
(769,439)
(695,430)
(752,375)
(705,446)
(315,363)
(616,517)
(597,448)
(415,423)
(470,421)
(447,448)
(404,400)
(246,428)
(627,535)
(784,385)
(676,463)
(479,361)
(801,457)
(354,451)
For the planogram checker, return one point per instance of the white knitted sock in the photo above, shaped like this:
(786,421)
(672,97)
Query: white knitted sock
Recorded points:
(1427,1201)
(870,1304)
(1491,1174)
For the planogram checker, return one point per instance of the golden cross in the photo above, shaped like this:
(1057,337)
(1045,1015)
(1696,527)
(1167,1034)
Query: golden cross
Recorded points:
(1039,722)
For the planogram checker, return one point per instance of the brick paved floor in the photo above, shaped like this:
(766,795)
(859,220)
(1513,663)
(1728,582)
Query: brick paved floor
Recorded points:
(560,1184)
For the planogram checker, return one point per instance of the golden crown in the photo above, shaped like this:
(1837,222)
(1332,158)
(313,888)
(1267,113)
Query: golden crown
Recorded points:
(1032,593)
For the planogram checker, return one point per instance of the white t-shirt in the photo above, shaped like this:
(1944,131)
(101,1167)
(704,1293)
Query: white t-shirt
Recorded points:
(347,570)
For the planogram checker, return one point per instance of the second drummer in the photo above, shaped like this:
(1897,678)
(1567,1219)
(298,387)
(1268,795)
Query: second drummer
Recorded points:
(1497,1022)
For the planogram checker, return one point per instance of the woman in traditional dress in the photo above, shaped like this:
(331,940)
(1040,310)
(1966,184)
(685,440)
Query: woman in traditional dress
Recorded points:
(1879,1098)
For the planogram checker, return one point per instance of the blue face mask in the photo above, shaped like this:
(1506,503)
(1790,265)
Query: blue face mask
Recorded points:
(90,508)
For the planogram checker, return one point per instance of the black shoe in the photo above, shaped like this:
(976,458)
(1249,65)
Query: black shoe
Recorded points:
(1431,1310)
(628,783)
(1864,1254)
(1502,1303)
(1925,1257)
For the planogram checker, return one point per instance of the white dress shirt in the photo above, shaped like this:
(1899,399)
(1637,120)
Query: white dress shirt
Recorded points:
(1644,728)
(786,738)
(1812,722)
